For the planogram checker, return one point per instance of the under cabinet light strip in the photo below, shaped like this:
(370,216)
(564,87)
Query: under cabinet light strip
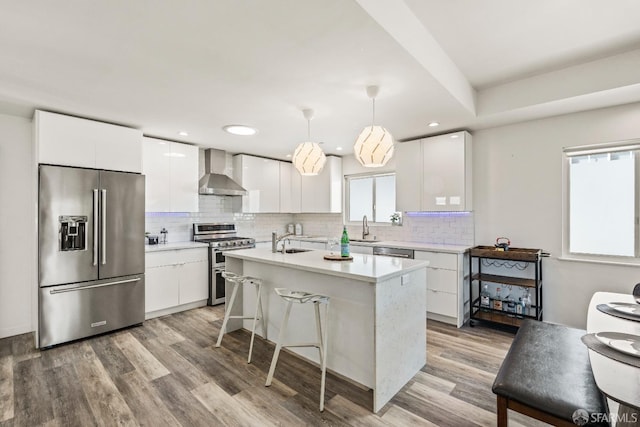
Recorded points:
(439,213)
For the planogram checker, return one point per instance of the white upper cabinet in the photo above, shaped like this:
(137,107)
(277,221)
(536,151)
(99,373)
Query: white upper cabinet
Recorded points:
(296,189)
(184,178)
(289,188)
(447,172)
(276,186)
(72,141)
(261,178)
(434,174)
(322,193)
(171,170)
(408,156)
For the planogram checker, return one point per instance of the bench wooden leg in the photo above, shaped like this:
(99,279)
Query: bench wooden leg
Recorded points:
(502,409)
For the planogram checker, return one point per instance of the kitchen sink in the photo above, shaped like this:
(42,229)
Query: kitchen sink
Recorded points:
(363,240)
(294,250)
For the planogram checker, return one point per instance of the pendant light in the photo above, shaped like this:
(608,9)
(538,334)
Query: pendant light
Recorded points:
(374,145)
(309,159)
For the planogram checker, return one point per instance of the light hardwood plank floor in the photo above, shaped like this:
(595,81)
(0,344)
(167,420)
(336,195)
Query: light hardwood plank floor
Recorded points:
(168,372)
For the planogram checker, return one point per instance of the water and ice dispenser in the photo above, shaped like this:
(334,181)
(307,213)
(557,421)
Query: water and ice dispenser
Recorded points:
(72,233)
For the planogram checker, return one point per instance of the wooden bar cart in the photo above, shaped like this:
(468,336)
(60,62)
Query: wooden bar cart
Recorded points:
(516,270)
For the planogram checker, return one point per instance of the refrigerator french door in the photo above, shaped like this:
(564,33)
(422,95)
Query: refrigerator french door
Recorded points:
(91,252)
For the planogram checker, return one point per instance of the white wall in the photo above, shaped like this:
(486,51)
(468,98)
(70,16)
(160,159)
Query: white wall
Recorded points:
(517,172)
(17,226)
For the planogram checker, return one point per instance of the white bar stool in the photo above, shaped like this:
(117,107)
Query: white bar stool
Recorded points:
(301,297)
(237,280)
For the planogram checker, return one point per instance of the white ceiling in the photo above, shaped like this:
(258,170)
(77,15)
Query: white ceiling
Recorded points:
(194,65)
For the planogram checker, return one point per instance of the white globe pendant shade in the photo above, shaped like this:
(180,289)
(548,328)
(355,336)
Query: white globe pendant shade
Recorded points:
(373,147)
(309,159)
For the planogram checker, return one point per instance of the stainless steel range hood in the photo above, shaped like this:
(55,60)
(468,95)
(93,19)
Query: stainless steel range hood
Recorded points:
(214,182)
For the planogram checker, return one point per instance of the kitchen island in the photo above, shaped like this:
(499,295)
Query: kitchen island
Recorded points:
(377,329)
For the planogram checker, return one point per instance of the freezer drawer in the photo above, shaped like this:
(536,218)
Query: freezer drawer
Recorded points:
(76,311)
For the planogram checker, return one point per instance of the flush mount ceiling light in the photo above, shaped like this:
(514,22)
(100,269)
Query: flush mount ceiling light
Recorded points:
(374,145)
(309,159)
(240,130)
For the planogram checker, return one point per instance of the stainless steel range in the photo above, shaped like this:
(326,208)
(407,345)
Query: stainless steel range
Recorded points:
(220,237)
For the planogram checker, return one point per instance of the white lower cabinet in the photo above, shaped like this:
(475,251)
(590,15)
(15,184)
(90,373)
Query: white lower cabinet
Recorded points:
(447,300)
(175,280)
(161,288)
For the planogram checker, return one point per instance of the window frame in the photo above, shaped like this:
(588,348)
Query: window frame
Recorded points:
(347,197)
(603,148)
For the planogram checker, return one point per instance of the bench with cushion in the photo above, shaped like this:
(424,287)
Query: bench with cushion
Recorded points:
(547,375)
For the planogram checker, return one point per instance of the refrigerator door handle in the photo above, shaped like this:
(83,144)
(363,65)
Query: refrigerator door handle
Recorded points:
(82,288)
(95,226)
(104,226)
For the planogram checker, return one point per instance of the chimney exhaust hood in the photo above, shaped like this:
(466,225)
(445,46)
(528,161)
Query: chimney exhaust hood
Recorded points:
(214,182)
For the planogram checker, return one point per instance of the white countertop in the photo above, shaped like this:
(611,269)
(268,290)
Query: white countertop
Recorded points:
(368,268)
(418,246)
(174,245)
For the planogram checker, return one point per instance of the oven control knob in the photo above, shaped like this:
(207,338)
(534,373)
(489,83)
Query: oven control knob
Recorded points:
(222,244)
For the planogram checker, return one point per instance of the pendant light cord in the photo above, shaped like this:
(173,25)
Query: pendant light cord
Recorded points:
(309,129)
(373,116)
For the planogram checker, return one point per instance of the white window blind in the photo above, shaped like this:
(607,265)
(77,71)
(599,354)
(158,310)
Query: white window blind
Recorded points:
(602,201)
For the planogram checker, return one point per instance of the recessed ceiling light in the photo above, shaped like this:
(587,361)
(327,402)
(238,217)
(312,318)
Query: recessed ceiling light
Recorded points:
(240,130)
(339,148)
(288,155)
(434,124)
(454,135)
(183,133)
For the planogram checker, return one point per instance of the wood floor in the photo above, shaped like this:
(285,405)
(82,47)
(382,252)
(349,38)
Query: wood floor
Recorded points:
(167,372)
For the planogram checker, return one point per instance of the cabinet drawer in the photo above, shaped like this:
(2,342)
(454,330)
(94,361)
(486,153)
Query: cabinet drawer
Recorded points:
(439,279)
(438,259)
(160,258)
(193,255)
(178,256)
(443,303)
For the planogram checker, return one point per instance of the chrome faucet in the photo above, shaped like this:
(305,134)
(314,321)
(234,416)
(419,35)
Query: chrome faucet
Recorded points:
(275,239)
(365,227)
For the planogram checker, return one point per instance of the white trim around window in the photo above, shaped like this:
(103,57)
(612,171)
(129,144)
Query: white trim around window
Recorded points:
(601,203)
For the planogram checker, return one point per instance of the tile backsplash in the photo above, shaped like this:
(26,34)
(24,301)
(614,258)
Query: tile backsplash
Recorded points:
(445,228)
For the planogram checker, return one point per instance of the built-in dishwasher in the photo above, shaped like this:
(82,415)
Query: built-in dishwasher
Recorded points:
(393,252)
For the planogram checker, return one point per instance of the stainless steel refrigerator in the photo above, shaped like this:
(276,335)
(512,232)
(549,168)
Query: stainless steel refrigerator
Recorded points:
(91,252)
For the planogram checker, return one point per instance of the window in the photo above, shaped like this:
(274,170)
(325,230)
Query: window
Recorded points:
(602,201)
(371,195)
